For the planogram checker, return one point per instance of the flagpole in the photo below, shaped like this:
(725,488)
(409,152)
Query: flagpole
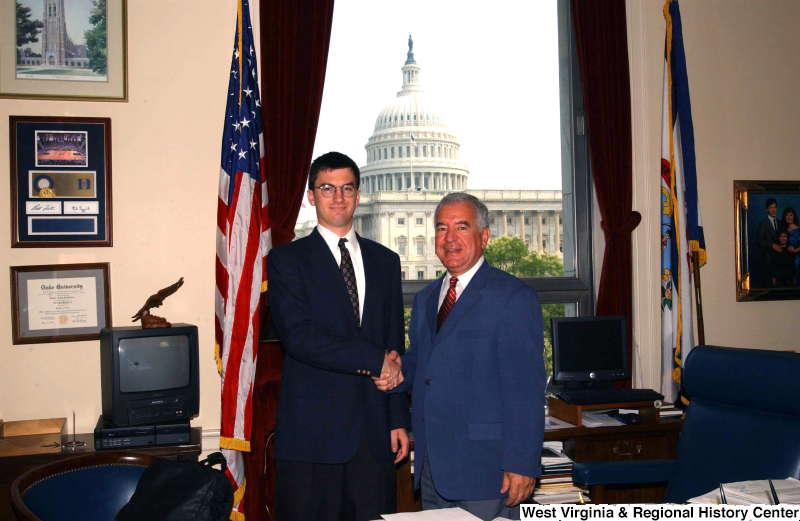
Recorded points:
(701,333)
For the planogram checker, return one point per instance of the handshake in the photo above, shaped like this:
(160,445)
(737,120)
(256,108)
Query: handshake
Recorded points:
(391,373)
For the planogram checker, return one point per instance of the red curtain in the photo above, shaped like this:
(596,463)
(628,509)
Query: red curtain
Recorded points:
(295,36)
(602,41)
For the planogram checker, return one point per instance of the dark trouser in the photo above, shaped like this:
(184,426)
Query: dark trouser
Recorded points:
(486,509)
(362,489)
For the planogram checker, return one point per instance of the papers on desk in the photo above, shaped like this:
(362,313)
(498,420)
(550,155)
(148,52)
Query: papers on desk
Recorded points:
(754,492)
(592,419)
(442,514)
(551,424)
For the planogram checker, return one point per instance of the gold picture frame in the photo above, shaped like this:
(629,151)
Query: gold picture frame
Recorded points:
(763,272)
(78,70)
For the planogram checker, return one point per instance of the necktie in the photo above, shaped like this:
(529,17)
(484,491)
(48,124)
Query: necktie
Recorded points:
(349,276)
(775,224)
(447,305)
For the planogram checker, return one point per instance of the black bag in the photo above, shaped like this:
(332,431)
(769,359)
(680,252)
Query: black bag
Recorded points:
(181,491)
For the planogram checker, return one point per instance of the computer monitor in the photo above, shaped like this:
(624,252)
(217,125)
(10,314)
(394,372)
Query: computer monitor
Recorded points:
(590,349)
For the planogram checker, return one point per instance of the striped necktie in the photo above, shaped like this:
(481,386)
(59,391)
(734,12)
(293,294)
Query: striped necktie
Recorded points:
(447,305)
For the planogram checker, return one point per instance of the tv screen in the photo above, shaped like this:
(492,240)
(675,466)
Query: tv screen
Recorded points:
(153,363)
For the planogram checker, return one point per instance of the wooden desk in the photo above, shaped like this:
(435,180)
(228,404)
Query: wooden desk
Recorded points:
(14,466)
(655,440)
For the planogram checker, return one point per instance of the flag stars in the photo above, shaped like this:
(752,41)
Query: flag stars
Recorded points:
(253,144)
(233,147)
(258,103)
(248,92)
(236,53)
(237,126)
(242,154)
(251,50)
(245,122)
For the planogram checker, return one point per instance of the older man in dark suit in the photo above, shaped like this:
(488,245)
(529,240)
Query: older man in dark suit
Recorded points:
(338,308)
(475,360)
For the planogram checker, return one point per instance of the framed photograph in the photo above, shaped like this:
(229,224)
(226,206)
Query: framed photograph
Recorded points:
(60,182)
(64,49)
(767,240)
(59,302)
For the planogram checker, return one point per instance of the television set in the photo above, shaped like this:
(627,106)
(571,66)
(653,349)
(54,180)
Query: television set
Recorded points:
(149,376)
(590,351)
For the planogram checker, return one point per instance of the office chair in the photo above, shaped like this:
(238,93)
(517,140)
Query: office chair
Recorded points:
(742,424)
(91,486)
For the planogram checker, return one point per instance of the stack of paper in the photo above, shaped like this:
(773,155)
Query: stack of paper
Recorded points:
(551,424)
(754,492)
(668,410)
(556,485)
(599,418)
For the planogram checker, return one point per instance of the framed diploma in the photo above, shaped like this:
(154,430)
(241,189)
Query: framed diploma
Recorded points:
(59,302)
(60,182)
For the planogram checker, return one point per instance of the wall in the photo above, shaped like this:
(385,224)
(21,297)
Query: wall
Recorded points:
(166,153)
(742,59)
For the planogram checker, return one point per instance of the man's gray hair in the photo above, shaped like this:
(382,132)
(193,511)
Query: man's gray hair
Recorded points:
(481,212)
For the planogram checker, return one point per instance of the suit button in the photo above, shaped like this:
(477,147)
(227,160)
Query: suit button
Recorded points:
(428,381)
(423,418)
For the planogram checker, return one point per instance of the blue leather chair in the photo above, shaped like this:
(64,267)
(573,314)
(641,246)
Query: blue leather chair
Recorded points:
(89,487)
(743,423)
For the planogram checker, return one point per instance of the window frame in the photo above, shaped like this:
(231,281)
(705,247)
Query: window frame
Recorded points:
(576,290)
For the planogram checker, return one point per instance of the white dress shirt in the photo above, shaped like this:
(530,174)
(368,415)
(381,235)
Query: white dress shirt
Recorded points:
(774,222)
(461,285)
(332,240)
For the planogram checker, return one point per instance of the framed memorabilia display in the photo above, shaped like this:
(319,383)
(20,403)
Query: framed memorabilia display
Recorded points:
(59,302)
(60,182)
(63,49)
(767,240)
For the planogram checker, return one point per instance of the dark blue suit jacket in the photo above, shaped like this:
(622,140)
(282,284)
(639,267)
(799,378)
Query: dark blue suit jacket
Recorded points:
(478,385)
(328,400)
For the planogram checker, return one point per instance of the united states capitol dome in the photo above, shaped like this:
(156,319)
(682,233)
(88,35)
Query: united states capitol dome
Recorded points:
(412,146)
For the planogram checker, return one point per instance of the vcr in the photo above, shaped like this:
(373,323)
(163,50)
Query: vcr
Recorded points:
(109,436)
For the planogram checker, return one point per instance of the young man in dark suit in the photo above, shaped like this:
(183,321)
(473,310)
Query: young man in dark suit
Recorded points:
(767,240)
(337,304)
(475,361)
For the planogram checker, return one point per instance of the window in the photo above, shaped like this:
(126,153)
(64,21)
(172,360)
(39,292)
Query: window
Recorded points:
(385,155)
(419,221)
(424,151)
(401,221)
(439,273)
(420,248)
(420,275)
(402,275)
(408,150)
(401,248)
(527,221)
(392,152)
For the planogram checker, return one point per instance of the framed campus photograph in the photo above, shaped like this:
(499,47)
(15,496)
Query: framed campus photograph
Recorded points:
(767,240)
(59,302)
(60,182)
(64,49)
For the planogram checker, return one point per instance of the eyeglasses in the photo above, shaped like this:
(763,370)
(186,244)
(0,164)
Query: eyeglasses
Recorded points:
(329,191)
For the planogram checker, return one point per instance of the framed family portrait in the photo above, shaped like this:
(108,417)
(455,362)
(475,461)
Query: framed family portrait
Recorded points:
(59,303)
(767,232)
(60,182)
(64,49)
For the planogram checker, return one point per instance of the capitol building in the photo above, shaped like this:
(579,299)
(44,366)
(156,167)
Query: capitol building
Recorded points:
(412,162)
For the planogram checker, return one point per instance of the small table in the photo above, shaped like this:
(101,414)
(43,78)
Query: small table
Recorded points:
(12,467)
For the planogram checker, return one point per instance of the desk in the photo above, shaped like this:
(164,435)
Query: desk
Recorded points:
(655,440)
(14,466)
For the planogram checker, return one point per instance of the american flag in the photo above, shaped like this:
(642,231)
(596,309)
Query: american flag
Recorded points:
(243,240)
(413,141)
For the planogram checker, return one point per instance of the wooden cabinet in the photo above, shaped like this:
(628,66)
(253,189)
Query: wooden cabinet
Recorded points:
(653,440)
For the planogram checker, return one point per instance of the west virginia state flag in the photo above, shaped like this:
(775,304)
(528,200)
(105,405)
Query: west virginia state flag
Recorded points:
(681,227)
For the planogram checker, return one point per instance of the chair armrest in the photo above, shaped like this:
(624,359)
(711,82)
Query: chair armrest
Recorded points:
(624,472)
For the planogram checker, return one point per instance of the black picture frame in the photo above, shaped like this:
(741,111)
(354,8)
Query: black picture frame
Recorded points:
(762,272)
(75,299)
(72,157)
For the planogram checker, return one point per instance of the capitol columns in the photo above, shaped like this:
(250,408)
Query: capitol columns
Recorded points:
(384,229)
(505,222)
(557,236)
(521,224)
(539,247)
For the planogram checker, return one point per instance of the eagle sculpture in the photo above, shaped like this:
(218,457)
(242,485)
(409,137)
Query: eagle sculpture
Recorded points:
(152,321)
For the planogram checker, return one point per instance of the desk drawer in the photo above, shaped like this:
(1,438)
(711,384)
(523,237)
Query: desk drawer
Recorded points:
(618,448)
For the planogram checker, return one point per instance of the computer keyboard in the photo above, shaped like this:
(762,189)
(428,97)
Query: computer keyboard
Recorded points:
(600,396)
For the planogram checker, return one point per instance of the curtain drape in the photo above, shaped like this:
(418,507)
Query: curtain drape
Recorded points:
(295,37)
(602,42)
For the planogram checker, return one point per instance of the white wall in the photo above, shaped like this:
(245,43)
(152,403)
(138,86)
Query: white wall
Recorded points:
(166,153)
(742,58)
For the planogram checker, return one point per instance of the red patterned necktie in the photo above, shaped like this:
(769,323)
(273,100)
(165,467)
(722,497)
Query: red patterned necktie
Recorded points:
(348,273)
(447,305)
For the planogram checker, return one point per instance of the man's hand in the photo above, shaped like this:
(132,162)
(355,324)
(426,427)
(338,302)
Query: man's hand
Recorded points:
(777,247)
(400,444)
(519,488)
(389,380)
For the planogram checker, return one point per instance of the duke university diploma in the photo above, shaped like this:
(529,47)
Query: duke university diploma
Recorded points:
(62,303)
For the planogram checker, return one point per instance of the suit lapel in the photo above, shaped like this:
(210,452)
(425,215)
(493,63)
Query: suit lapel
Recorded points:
(371,274)
(468,299)
(322,259)
(432,307)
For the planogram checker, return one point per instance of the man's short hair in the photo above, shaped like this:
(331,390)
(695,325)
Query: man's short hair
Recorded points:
(481,212)
(332,161)
(770,202)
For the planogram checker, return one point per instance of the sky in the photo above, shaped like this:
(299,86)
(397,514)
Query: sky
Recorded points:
(493,71)
(76,13)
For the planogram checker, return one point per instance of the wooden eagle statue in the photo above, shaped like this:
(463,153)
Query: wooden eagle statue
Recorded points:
(153,301)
